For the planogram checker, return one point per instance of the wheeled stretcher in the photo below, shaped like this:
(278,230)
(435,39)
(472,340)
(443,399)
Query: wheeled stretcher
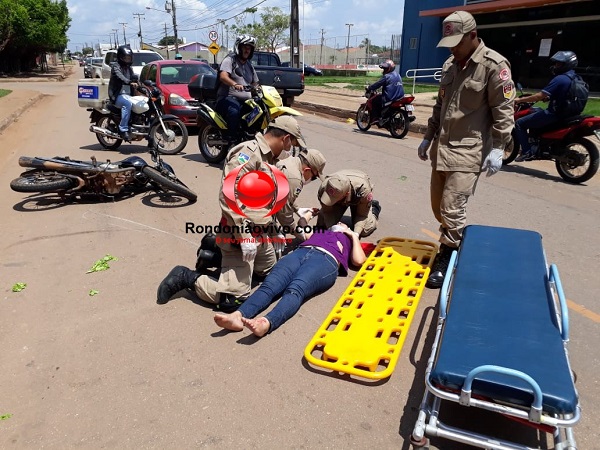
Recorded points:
(501,341)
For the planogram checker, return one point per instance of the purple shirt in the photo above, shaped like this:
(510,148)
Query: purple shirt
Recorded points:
(328,240)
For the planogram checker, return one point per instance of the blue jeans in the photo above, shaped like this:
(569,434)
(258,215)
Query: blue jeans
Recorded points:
(230,109)
(124,102)
(298,275)
(538,119)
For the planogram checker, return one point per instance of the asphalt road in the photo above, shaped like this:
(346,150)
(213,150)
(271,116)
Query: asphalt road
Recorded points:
(116,370)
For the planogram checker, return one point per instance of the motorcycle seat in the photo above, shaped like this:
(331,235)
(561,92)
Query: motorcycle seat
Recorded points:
(403,101)
(563,123)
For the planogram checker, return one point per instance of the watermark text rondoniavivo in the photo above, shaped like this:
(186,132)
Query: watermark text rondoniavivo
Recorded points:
(269,229)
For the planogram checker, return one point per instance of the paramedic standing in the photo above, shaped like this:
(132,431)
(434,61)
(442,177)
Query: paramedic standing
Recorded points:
(469,128)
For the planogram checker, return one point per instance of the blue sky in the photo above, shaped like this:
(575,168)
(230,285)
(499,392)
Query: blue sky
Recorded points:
(94,21)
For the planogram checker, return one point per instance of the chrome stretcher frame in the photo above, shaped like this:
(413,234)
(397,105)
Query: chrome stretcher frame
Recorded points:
(547,412)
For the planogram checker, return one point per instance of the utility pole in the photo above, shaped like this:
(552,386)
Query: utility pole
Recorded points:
(171,10)
(124,37)
(139,18)
(294,35)
(349,25)
(166,40)
(322,41)
(116,32)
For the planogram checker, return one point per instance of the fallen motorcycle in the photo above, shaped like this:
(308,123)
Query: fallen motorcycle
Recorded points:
(69,177)
(396,119)
(567,143)
(264,106)
(167,133)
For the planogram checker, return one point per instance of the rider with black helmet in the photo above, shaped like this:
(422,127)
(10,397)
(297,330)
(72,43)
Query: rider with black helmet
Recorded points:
(236,72)
(121,87)
(392,90)
(557,92)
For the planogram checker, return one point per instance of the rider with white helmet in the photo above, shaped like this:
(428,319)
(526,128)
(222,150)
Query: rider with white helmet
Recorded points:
(236,72)
(392,90)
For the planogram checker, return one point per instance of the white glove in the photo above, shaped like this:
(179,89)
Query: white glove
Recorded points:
(493,162)
(303,211)
(423,147)
(279,245)
(248,251)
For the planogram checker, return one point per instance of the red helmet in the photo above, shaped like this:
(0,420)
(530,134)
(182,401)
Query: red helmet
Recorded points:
(387,66)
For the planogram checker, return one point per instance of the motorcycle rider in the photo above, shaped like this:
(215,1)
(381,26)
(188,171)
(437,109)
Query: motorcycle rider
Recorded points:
(235,73)
(392,90)
(121,87)
(557,92)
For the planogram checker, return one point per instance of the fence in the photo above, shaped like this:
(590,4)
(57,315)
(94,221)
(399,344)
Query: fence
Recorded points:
(435,73)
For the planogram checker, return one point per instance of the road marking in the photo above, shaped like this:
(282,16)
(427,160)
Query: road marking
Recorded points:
(580,309)
(583,311)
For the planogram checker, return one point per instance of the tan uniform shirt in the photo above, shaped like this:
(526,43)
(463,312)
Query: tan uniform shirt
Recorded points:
(292,169)
(473,112)
(252,154)
(360,196)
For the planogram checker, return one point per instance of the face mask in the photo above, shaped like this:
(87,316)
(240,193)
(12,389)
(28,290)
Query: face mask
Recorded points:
(337,228)
(284,154)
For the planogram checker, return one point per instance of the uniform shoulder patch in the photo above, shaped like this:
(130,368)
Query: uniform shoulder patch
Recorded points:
(243,158)
(508,90)
(504,74)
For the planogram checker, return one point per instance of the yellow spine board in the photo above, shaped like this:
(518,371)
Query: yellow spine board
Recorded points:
(364,333)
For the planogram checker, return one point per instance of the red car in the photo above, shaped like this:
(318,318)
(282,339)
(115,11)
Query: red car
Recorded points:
(172,78)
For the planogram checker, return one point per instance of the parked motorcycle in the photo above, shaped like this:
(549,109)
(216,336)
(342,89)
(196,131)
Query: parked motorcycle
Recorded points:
(67,177)
(264,106)
(567,143)
(167,133)
(397,118)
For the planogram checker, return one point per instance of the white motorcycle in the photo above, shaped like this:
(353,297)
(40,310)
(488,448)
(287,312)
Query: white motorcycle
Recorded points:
(165,132)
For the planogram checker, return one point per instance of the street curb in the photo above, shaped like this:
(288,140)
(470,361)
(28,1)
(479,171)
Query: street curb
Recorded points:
(345,114)
(14,116)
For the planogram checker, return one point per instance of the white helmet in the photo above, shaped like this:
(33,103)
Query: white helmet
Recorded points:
(244,39)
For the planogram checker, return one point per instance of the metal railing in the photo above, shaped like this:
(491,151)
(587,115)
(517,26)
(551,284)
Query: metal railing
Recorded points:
(435,73)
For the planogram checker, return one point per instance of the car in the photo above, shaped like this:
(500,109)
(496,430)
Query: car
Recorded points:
(172,77)
(204,60)
(308,70)
(92,65)
(140,59)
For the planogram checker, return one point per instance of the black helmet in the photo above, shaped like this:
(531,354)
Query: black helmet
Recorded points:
(244,39)
(124,55)
(563,61)
(387,66)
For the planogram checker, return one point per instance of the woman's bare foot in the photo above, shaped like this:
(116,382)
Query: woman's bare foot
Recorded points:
(232,322)
(259,326)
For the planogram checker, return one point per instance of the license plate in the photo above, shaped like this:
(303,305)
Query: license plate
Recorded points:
(410,108)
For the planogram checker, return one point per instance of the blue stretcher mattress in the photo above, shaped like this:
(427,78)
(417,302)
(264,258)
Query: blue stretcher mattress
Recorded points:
(500,313)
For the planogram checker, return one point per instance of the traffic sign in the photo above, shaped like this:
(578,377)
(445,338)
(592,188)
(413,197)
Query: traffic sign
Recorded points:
(214,48)
(213,35)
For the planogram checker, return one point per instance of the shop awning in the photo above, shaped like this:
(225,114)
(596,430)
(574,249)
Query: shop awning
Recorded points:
(493,6)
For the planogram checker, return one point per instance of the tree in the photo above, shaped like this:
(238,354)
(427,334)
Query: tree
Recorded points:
(87,51)
(270,33)
(169,40)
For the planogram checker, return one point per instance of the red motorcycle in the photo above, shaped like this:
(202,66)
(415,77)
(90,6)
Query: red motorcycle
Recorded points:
(567,143)
(396,119)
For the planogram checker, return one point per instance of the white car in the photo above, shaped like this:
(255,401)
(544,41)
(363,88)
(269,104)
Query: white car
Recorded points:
(140,59)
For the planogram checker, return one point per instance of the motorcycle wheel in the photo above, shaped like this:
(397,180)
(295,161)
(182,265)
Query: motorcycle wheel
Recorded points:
(363,118)
(511,151)
(170,182)
(109,124)
(399,124)
(212,153)
(580,162)
(41,182)
(174,140)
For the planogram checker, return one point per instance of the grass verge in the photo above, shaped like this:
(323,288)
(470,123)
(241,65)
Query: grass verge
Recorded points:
(4,92)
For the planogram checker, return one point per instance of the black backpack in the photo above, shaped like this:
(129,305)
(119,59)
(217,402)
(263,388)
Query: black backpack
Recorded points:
(577,97)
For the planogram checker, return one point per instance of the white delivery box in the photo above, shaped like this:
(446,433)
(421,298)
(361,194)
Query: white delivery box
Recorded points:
(92,92)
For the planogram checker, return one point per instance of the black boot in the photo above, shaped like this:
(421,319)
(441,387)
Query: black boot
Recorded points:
(376,208)
(228,303)
(179,278)
(440,266)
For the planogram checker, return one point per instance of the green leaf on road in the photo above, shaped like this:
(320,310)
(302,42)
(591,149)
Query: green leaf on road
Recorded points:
(5,416)
(18,287)
(102,264)
(93,292)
